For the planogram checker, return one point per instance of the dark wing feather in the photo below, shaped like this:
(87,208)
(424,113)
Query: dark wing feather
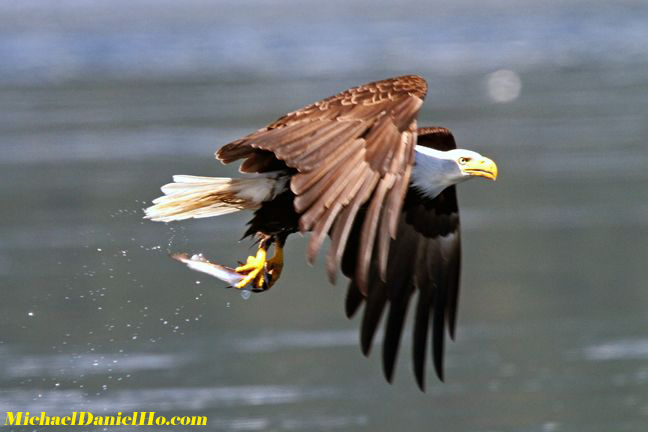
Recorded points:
(350,151)
(424,257)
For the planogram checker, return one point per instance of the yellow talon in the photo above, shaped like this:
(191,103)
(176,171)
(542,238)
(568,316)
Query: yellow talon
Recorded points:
(252,268)
(260,270)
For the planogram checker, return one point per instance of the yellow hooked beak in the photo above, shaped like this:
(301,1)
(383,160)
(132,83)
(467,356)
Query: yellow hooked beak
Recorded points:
(482,167)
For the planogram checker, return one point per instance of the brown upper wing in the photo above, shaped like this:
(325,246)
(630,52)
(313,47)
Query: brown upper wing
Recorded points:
(351,150)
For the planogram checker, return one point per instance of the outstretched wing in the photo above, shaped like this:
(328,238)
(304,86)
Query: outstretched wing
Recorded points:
(425,257)
(350,151)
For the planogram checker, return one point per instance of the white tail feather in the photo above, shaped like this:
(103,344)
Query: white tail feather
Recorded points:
(199,197)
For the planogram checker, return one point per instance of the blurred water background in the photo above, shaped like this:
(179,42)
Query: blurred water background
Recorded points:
(102,101)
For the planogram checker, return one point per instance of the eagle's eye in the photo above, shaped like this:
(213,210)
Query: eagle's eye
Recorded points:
(464,160)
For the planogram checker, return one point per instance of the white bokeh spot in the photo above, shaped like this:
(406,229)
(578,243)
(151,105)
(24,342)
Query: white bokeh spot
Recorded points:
(503,85)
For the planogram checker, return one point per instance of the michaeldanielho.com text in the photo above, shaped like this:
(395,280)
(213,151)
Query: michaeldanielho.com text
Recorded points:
(84,418)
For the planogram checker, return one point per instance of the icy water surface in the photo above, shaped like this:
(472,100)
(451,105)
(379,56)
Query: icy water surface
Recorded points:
(103,101)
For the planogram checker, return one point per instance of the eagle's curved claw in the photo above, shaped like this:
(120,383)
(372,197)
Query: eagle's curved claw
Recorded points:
(253,270)
(260,271)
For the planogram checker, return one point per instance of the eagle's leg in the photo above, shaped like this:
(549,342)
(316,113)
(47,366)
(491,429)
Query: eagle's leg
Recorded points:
(260,270)
(275,264)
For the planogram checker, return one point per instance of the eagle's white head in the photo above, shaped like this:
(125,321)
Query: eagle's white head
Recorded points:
(435,170)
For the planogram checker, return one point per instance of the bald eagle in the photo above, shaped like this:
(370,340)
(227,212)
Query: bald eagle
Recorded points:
(356,168)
